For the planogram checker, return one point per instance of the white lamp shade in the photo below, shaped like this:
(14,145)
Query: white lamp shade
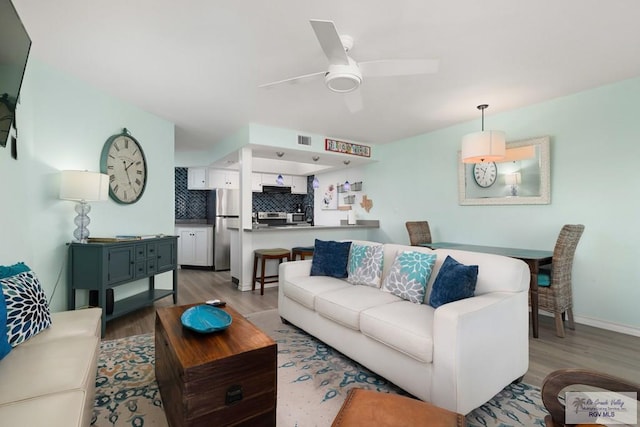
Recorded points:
(84,185)
(484,146)
(512,178)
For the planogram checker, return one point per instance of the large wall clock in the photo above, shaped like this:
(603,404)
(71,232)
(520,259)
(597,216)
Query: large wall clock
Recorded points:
(485,173)
(123,160)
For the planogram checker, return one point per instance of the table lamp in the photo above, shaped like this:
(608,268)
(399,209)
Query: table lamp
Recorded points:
(513,179)
(83,187)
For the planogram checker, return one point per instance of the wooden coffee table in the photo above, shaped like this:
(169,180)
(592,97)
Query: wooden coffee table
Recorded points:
(219,379)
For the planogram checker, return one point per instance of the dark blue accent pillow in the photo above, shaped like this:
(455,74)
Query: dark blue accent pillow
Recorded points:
(330,258)
(454,282)
(12,270)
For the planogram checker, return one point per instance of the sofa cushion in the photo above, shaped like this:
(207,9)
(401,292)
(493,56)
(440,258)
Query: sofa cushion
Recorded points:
(27,307)
(85,322)
(365,264)
(345,305)
(37,370)
(404,326)
(409,275)
(303,289)
(62,409)
(330,258)
(454,282)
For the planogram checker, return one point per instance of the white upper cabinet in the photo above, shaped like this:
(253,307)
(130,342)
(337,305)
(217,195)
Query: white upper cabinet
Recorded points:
(221,178)
(298,184)
(256,182)
(197,178)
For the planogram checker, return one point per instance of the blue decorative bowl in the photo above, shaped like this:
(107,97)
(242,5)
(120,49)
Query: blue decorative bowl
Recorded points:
(205,319)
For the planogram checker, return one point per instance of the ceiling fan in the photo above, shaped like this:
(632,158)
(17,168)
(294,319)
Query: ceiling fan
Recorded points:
(345,75)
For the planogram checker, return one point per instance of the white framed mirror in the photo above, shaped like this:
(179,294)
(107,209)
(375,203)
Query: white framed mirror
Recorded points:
(523,177)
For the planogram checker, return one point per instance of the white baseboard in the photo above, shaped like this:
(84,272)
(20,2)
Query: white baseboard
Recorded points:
(602,324)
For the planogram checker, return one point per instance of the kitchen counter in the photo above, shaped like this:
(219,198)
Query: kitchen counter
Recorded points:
(343,225)
(245,241)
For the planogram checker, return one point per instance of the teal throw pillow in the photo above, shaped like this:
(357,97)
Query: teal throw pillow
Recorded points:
(330,258)
(454,282)
(27,308)
(409,275)
(365,264)
(544,280)
(5,347)
(12,270)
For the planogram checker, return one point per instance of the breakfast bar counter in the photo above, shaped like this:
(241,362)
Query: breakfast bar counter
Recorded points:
(246,240)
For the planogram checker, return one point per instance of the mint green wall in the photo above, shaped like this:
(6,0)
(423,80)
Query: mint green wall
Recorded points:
(595,150)
(63,124)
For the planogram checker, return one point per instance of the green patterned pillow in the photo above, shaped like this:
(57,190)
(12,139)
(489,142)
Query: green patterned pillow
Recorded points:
(27,308)
(409,275)
(365,265)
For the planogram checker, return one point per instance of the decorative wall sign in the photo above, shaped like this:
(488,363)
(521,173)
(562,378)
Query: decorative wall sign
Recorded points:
(347,148)
(366,203)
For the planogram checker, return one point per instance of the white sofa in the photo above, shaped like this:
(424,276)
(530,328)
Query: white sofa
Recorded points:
(457,356)
(49,380)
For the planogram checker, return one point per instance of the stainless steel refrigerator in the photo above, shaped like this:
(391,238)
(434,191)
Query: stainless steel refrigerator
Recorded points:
(223,210)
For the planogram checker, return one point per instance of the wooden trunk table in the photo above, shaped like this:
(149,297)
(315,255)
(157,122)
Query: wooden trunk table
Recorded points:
(225,378)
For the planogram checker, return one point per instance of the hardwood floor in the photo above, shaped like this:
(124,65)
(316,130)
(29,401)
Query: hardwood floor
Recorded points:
(586,347)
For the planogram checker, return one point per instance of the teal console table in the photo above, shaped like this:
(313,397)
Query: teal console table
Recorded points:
(99,266)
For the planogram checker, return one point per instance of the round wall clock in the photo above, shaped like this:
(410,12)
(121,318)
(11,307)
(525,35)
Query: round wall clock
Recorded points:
(485,173)
(123,160)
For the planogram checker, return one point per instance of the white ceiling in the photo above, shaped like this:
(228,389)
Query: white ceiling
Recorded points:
(198,63)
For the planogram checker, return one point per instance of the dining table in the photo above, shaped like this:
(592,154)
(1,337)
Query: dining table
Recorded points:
(532,257)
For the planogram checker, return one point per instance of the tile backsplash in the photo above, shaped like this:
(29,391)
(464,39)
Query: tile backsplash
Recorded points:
(192,204)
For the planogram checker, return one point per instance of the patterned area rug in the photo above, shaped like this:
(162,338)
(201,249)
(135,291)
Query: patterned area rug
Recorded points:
(313,380)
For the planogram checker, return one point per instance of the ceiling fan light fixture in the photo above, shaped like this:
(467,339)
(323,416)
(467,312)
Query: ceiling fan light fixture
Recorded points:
(343,78)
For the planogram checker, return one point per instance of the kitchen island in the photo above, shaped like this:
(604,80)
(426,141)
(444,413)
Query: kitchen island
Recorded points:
(247,240)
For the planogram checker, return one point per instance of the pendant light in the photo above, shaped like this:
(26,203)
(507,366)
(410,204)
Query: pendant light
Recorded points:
(483,146)
(316,182)
(346,185)
(280,180)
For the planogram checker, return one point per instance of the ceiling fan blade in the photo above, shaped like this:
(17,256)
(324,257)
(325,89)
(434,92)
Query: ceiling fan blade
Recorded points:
(353,100)
(398,67)
(293,80)
(330,41)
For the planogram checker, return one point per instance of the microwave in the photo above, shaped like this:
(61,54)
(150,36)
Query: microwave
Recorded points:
(295,217)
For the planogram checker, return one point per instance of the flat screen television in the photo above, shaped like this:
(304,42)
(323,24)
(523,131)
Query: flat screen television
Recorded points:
(14,50)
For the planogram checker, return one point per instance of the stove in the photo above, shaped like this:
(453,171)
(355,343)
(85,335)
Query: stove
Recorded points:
(272,218)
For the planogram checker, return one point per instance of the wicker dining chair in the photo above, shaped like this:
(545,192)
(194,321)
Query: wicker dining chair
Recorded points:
(554,285)
(419,232)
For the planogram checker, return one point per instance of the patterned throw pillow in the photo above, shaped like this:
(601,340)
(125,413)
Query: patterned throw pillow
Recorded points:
(365,265)
(409,275)
(27,308)
(454,282)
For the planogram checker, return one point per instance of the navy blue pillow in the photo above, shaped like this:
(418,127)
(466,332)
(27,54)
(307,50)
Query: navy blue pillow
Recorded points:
(454,282)
(5,347)
(330,258)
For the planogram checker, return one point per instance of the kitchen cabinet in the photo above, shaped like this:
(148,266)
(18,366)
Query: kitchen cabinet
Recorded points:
(195,245)
(220,178)
(100,266)
(298,184)
(256,182)
(197,178)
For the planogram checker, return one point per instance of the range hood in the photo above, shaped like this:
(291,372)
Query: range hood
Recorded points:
(276,189)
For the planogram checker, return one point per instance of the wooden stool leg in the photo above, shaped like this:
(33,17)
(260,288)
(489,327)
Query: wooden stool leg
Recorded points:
(255,272)
(262,277)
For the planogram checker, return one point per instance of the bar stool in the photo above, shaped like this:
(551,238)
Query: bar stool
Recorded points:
(303,251)
(265,254)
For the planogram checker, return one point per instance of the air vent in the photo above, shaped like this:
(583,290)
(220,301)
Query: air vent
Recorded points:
(304,140)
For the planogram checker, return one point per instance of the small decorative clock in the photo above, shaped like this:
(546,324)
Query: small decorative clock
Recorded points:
(123,160)
(485,173)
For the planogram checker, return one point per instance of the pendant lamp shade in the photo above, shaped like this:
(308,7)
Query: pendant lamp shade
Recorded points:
(483,146)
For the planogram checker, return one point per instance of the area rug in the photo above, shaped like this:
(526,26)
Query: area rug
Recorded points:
(313,380)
